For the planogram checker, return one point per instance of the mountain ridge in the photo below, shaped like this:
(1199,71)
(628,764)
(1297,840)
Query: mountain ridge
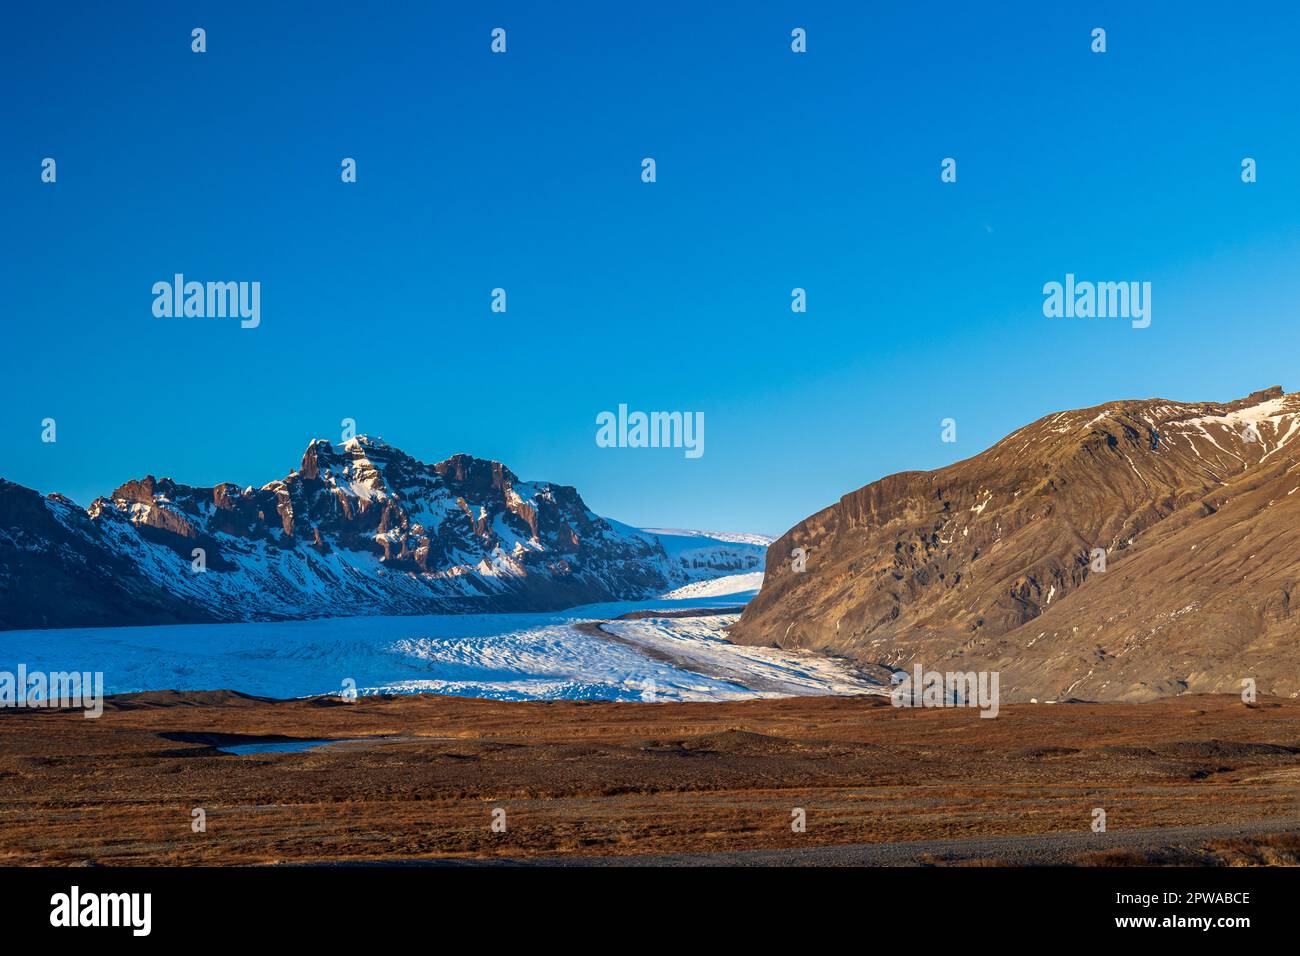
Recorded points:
(988,563)
(361,528)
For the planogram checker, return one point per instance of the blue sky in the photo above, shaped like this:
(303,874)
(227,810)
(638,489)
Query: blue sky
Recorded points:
(522,171)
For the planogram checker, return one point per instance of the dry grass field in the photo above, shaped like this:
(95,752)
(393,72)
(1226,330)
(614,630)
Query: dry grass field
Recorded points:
(583,780)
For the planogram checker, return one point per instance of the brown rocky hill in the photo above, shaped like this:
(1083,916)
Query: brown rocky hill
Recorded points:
(988,564)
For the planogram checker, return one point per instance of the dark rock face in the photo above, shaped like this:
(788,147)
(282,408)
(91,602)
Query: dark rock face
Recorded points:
(59,569)
(359,529)
(989,563)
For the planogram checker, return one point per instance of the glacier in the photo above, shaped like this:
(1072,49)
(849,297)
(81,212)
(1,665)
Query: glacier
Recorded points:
(529,656)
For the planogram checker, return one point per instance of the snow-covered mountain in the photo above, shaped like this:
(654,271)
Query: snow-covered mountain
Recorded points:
(361,528)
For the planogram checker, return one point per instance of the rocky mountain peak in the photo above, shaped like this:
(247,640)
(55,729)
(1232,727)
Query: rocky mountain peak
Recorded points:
(476,473)
(359,528)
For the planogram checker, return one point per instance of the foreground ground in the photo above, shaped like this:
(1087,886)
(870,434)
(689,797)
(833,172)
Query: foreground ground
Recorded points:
(586,781)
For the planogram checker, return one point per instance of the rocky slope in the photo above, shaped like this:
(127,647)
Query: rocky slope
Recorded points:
(989,564)
(358,529)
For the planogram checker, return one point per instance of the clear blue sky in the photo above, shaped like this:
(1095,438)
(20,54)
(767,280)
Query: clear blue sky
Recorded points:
(775,170)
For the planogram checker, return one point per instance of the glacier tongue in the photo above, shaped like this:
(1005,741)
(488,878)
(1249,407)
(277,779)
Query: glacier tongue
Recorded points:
(500,656)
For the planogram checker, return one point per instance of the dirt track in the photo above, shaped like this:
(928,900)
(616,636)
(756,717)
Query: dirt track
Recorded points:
(1043,849)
